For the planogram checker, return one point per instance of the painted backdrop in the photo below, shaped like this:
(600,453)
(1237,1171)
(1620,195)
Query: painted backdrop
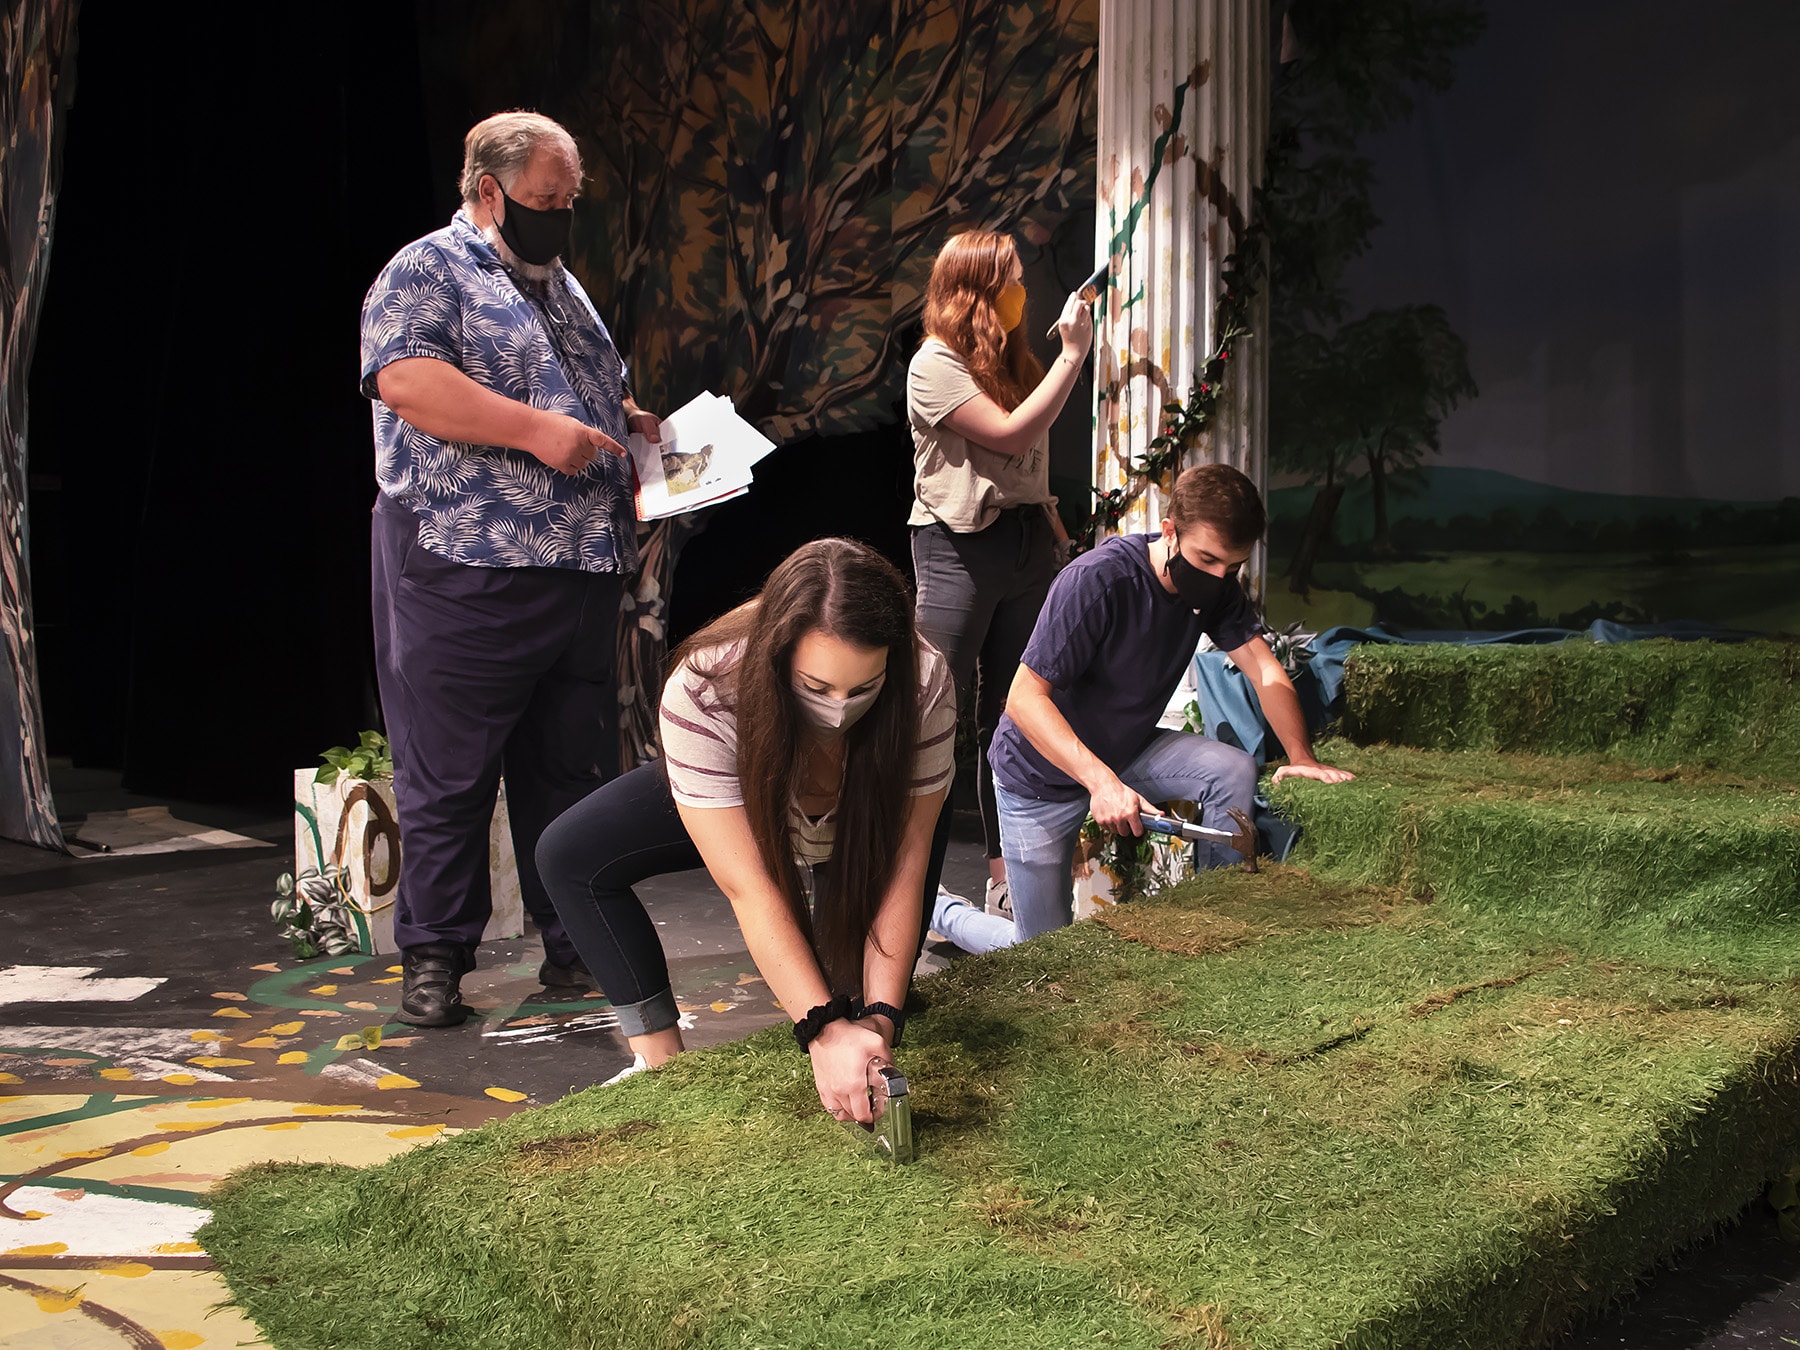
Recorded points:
(1606,206)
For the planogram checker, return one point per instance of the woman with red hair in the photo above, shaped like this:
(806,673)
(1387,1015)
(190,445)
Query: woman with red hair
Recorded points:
(986,535)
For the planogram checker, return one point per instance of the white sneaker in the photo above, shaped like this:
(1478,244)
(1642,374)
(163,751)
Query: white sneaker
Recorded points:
(999,899)
(637,1065)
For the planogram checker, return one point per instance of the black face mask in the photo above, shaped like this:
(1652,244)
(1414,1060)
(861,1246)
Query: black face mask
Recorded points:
(1199,590)
(537,237)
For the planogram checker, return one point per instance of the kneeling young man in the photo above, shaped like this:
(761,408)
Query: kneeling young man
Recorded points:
(1111,644)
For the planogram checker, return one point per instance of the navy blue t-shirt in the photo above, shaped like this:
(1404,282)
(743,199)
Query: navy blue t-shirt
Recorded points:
(1112,644)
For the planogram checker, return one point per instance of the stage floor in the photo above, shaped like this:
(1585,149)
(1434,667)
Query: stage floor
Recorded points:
(155,1033)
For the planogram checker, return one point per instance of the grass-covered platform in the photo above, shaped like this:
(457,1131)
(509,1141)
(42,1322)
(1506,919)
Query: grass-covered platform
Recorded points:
(1517,1026)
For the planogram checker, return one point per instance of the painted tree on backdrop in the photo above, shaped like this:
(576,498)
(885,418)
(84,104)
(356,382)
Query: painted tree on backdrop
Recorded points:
(769,182)
(1364,396)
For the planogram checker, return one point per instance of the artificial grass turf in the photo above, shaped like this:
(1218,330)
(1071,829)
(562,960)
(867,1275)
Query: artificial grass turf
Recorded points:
(1690,857)
(1271,1111)
(1731,705)
(1525,1024)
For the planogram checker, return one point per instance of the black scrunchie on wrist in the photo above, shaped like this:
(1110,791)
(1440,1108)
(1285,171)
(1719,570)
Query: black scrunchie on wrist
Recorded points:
(840,1009)
(887,1010)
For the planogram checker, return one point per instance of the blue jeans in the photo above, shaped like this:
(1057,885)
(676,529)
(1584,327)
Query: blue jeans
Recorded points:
(968,926)
(1037,838)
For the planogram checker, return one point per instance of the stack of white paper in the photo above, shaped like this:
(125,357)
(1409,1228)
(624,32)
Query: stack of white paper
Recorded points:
(704,458)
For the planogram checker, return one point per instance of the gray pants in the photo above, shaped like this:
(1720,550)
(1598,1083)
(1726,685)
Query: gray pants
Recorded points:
(979,597)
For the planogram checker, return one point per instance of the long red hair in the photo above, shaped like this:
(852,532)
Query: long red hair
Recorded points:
(970,272)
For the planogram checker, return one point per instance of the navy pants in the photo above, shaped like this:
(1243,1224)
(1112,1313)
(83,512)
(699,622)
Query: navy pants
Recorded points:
(485,670)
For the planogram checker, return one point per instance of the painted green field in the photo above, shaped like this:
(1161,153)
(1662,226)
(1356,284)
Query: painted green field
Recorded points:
(1756,588)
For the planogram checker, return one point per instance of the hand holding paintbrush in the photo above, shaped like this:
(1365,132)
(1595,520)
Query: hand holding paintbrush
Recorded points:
(1086,293)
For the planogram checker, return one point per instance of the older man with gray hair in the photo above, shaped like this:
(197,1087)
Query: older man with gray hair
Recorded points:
(504,531)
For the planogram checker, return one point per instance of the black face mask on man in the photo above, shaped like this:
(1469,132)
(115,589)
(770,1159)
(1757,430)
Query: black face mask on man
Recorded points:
(537,237)
(1199,590)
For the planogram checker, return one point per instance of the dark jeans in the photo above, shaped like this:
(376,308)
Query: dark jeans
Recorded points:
(485,670)
(618,835)
(979,597)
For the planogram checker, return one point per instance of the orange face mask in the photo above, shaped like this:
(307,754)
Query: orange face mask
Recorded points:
(1009,305)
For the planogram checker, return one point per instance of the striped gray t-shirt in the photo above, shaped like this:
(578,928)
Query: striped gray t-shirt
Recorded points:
(699,739)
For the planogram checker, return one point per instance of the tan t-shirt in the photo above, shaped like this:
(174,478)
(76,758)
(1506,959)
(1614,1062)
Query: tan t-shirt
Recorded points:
(699,739)
(964,485)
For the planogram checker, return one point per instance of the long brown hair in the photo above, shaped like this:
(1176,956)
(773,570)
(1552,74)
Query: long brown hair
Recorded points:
(970,272)
(847,591)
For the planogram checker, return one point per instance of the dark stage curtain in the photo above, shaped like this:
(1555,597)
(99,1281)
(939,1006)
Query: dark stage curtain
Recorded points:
(38,36)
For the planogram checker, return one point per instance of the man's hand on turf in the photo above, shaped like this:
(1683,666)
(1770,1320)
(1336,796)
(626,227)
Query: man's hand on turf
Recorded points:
(1322,773)
(1116,807)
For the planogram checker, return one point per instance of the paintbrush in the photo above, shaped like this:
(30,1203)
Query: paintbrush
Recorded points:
(1089,291)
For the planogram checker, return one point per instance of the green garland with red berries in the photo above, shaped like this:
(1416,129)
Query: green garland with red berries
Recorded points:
(1183,423)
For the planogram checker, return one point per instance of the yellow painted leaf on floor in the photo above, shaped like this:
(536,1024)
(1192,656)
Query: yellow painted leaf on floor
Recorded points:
(361,1007)
(388,1082)
(721,1007)
(10,1078)
(219,1062)
(268,966)
(259,1043)
(231,1012)
(369,1038)
(179,1079)
(180,1340)
(292,1057)
(150,1150)
(90,1153)
(320,1109)
(116,1075)
(59,1300)
(284,1125)
(127,1270)
(205,1102)
(391,979)
(417,1131)
(207,1036)
(36,1214)
(323,990)
(42,1249)
(349,1043)
(233,995)
(396,970)
(286,1028)
(183,1126)
(178,1249)
(504,1094)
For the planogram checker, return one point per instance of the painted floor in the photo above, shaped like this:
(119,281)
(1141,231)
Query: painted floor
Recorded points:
(156,1033)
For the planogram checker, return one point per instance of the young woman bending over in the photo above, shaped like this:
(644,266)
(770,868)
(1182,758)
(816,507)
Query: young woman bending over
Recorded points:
(808,739)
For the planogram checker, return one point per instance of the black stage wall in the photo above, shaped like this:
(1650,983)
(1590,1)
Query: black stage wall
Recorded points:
(201,466)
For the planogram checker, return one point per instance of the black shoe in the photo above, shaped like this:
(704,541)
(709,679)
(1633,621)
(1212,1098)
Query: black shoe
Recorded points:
(574,976)
(431,996)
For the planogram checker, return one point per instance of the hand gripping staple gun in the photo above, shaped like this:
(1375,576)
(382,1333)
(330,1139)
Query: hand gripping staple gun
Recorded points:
(891,1104)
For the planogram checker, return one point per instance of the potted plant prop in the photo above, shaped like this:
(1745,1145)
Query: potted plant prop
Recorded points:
(347,857)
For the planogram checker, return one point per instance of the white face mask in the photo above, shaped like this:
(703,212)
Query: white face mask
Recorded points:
(830,717)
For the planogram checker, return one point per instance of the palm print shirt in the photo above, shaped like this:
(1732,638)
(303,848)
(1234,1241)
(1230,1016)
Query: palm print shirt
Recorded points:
(449,296)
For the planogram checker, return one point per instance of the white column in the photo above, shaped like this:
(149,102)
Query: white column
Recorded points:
(1184,89)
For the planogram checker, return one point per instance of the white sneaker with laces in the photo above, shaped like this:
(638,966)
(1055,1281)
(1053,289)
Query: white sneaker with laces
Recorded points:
(999,899)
